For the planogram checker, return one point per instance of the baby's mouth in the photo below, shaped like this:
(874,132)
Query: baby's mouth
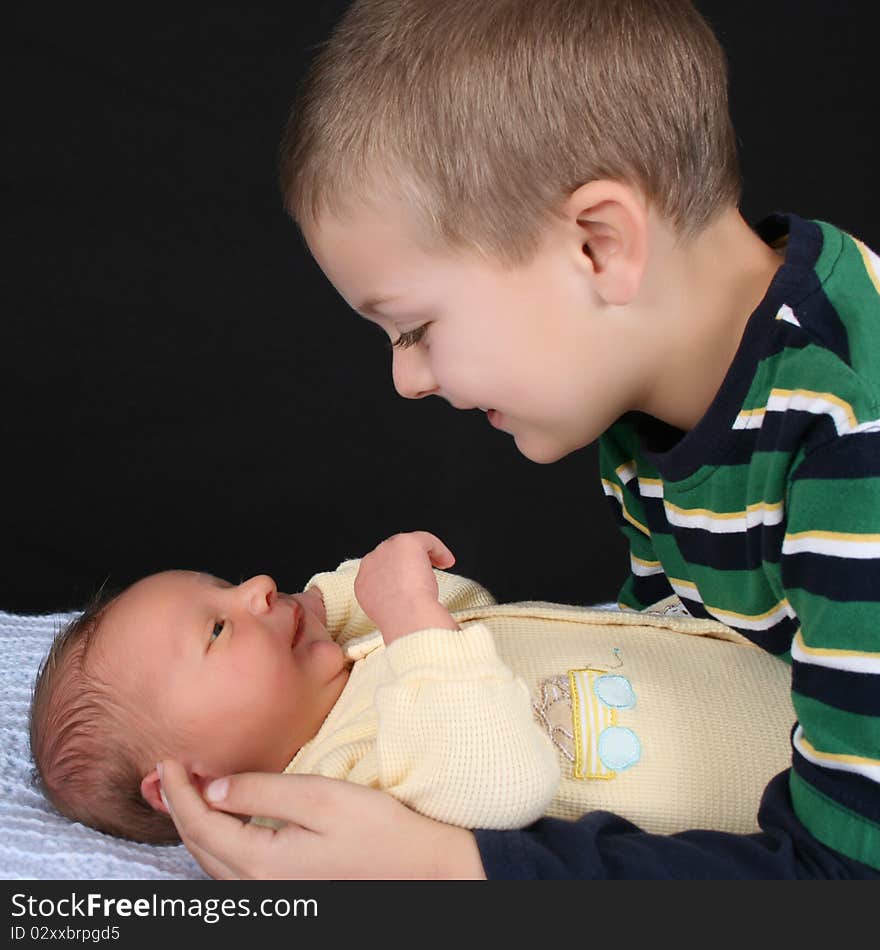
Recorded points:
(299,616)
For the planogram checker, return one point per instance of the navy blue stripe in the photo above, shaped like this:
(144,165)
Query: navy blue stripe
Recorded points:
(793,430)
(856,456)
(820,320)
(851,692)
(837,578)
(652,588)
(855,792)
(745,550)
(655,516)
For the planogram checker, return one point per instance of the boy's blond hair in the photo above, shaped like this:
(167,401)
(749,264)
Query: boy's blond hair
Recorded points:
(485,115)
(90,750)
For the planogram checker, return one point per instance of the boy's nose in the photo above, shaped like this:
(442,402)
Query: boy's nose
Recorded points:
(258,593)
(411,374)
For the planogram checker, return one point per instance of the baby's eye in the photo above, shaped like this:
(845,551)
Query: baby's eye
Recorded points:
(411,337)
(218,629)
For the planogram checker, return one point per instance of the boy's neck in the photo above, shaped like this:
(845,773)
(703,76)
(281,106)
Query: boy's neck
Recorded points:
(698,298)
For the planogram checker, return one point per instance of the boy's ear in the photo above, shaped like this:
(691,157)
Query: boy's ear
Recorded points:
(151,788)
(611,225)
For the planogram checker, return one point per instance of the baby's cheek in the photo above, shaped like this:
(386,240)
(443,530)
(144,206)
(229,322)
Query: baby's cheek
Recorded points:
(325,658)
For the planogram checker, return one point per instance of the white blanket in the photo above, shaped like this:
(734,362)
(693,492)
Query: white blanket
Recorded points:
(35,841)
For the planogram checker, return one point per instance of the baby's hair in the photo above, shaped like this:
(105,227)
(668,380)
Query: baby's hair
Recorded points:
(82,738)
(483,116)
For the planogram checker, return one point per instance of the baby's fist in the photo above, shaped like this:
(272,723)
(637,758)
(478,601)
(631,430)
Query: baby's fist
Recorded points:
(396,586)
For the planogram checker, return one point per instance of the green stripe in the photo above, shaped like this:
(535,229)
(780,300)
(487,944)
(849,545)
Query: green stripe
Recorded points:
(833,824)
(856,301)
(832,248)
(856,507)
(837,625)
(743,591)
(815,370)
(836,731)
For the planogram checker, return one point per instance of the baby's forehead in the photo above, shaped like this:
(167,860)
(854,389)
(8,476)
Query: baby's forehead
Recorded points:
(158,599)
(173,582)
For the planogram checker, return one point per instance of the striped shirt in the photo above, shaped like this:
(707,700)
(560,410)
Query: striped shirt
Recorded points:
(766,515)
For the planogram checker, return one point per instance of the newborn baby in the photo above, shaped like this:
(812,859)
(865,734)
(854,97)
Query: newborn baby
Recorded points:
(394,674)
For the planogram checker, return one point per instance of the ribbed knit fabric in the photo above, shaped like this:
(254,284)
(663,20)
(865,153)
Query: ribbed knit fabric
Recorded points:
(440,720)
(766,515)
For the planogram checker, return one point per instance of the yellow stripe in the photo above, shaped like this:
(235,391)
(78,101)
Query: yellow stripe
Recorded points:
(824,397)
(835,536)
(626,468)
(838,757)
(690,585)
(725,515)
(643,562)
(829,651)
(732,613)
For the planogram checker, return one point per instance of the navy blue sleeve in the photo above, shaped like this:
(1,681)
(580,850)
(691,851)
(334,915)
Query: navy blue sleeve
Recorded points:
(602,846)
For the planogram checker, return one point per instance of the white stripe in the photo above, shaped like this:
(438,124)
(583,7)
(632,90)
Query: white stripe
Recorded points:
(858,550)
(848,662)
(650,489)
(717,523)
(812,403)
(626,472)
(865,769)
(783,400)
(611,489)
(751,623)
(685,589)
(644,570)
(787,314)
(749,420)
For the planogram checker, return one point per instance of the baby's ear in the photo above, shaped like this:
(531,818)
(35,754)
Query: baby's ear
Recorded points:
(151,789)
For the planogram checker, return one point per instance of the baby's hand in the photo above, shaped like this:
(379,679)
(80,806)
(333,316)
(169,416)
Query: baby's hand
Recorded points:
(396,587)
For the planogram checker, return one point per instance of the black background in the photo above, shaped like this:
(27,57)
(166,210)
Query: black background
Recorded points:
(180,385)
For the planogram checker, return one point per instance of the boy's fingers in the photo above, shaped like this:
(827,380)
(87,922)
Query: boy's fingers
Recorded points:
(308,801)
(212,837)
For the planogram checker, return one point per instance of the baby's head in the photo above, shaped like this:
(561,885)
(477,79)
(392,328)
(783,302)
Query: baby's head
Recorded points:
(225,678)
(481,119)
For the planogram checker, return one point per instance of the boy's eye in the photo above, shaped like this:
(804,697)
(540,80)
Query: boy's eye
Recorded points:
(218,629)
(411,337)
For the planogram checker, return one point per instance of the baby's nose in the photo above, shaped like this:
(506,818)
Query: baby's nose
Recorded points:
(259,593)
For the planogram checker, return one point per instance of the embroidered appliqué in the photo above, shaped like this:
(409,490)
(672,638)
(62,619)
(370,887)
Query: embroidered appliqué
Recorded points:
(602,748)
(553,712)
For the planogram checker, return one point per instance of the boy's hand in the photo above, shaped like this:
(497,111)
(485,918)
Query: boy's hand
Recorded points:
(396,587)
(334,830)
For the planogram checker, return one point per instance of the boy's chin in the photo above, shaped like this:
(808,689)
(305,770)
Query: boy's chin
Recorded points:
(542,451)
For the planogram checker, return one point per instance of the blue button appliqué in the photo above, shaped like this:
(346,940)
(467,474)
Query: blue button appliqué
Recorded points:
(615,691)
(619,748)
